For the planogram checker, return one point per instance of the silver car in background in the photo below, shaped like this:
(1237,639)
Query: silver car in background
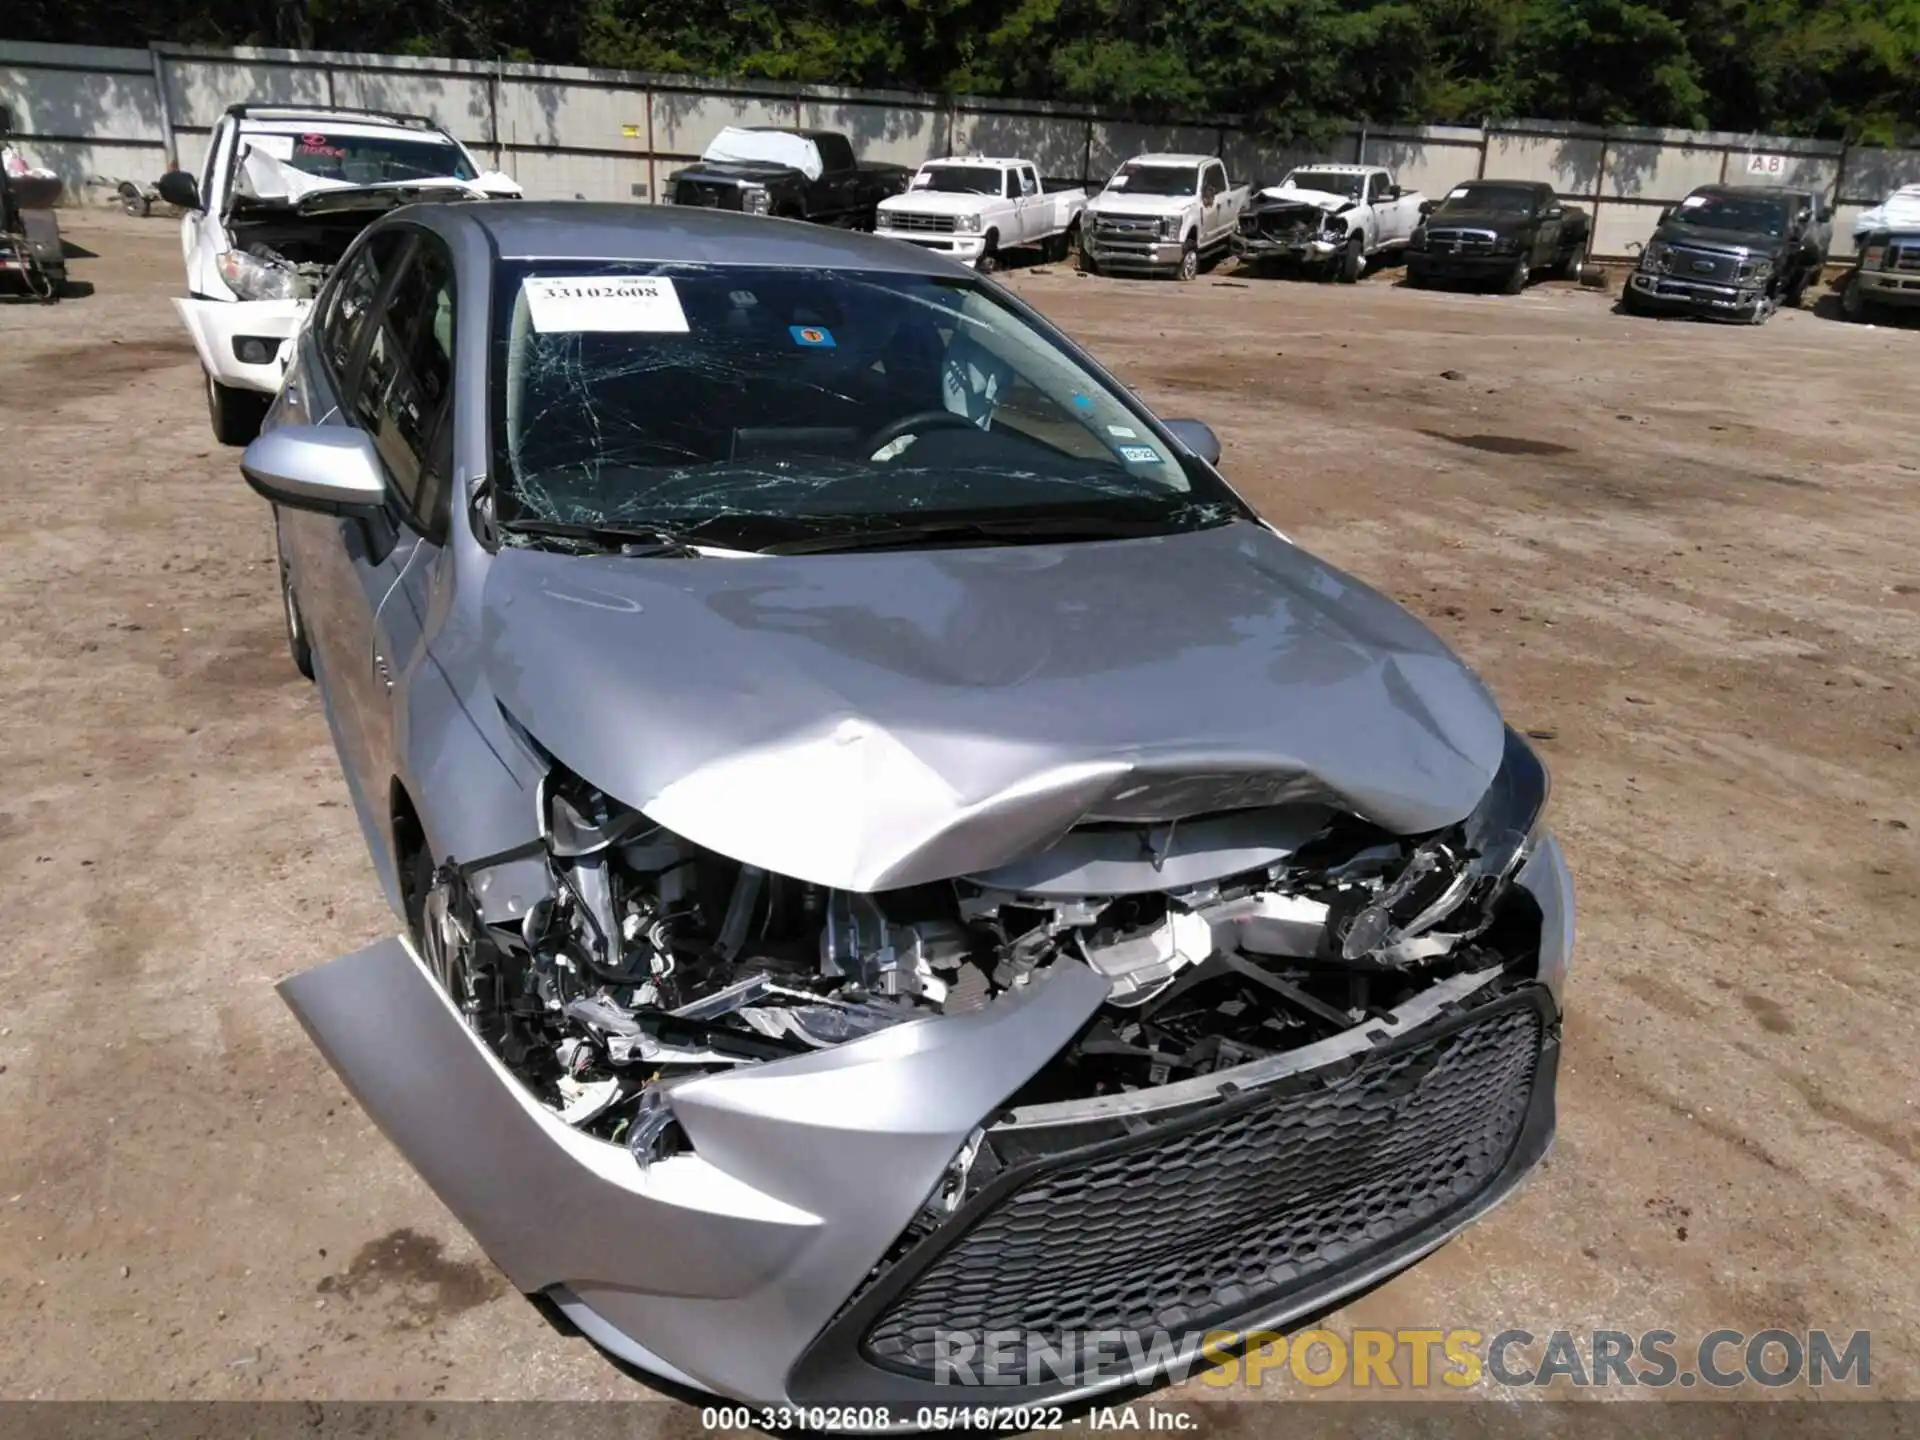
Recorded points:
(905,877)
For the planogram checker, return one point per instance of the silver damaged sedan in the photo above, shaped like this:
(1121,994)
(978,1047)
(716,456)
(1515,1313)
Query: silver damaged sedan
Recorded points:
(907,882)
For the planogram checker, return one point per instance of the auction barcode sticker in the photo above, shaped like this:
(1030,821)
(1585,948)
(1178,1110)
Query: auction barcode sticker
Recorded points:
(645,305)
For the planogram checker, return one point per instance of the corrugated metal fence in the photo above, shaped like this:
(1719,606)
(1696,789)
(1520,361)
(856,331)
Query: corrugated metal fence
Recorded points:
(562,131)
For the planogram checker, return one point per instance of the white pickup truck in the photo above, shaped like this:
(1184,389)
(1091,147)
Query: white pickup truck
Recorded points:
(1330,218)
(1161,214)
(283,191)
(976,207)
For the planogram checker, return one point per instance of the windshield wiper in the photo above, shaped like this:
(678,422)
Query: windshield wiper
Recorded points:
(1042,528)
(628,539)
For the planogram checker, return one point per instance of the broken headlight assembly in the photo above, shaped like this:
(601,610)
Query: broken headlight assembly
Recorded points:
(253,278)
(1447,889)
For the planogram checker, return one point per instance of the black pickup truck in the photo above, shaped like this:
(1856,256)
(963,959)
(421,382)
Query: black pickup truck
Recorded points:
(1500,231)
(795,174)
(1735,251)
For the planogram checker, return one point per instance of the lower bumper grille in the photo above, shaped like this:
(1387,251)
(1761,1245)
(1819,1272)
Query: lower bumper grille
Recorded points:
(1207,1219)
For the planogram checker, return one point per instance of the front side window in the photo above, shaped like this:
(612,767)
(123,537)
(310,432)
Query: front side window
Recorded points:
(406,385)
(768,405)
(355,288)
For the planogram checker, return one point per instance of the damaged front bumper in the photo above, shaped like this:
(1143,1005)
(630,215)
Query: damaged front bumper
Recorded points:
(244,344)
(786,1254)
(1312,251)
(1658,291)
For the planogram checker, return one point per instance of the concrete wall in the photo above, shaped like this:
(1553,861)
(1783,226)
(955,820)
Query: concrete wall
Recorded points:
(565,131)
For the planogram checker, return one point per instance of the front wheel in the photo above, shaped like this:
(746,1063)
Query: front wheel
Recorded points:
(1762,310)
(1854,304)
(1516,279)
(236,414)
(1353,261)
(1189,261)
(1417,276)
(1569,265)
(989,260)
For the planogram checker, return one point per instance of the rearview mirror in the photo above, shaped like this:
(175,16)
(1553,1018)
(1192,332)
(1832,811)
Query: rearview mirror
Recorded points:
(177,187)
(331,469)
(1197,437)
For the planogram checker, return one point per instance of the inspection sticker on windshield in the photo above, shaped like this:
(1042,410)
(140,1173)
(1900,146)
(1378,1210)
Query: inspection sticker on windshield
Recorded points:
(1124,432)
(1140,454)
(813,337)
(644,305)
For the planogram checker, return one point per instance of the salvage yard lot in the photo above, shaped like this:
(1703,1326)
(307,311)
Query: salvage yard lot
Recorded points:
(1686,557)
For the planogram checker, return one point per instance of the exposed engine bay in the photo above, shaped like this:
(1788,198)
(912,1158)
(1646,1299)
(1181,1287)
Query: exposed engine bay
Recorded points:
(297,251)
(652,958)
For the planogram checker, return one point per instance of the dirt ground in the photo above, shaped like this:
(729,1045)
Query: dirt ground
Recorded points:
(1686,557)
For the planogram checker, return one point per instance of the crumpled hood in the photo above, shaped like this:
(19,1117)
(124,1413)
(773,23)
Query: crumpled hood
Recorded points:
(866,721)
(1319,199)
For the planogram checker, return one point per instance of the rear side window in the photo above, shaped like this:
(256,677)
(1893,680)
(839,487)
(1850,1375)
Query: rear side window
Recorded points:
(403,398)
(836,152)
(354,290)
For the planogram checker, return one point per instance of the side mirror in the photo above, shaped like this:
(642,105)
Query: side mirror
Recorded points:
(177,187)
(1198,437)
(331,469)
(1666,213)
(6,121)
(1426,207)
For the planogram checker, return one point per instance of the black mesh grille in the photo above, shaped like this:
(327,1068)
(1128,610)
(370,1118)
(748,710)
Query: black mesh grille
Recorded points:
(1203,1221)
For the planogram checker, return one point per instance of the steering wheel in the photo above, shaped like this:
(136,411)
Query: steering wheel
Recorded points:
(916,423)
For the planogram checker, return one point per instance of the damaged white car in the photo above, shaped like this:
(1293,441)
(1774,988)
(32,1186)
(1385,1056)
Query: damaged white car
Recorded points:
(907,880)
(282,193)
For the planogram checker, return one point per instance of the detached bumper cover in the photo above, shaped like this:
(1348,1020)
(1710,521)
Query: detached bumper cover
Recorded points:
(769,1264)
(217,327)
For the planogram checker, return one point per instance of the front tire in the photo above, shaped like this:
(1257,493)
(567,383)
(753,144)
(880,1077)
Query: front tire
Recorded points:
(1516,278)
(989,260)
(1189,261)
(1569,265)
(1854,304)
(235,414)
(1353,261)
(1417,276)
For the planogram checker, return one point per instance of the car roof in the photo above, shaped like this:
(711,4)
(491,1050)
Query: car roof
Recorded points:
(1335,167)
(985,161)
(1163,158)
(674,234)
(1503,184)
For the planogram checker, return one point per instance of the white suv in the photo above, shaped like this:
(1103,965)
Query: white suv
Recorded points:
(282,194)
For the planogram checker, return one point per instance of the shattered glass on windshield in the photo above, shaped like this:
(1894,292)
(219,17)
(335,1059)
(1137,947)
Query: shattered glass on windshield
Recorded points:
(762,405)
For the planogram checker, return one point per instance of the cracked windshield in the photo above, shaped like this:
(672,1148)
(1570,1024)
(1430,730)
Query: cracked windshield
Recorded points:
(718,407)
